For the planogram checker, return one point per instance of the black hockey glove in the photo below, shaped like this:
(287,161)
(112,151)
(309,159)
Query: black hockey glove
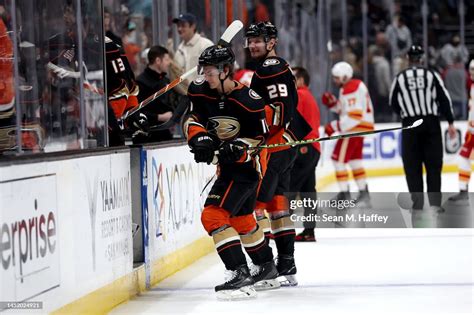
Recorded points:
(231,152)
(203,148)
(138,125)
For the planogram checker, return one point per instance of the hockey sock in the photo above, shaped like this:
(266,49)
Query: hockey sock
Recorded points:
(464,173)
(342,176)
(358,172)
(263,222)
(227,242)
(256,246)
(284,231)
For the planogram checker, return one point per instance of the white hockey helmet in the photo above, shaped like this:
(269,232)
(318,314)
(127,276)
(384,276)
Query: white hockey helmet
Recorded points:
(342,70)
(471,69)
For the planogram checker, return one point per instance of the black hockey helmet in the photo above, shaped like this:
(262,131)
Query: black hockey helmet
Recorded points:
(415,52)
(216,55)
(265,29)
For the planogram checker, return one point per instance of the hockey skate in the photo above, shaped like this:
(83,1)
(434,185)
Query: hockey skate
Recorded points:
(461,199)
(265,276)
(306,236)
(363,198)
(286,270)
(238,286)
(342,195)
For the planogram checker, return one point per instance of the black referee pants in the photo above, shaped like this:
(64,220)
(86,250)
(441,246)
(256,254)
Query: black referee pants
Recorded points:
(423,146)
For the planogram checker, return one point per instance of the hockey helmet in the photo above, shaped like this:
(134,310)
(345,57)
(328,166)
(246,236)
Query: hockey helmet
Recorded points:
(415,52)
(216,55)
(342,70)
(471,69)
(265,29)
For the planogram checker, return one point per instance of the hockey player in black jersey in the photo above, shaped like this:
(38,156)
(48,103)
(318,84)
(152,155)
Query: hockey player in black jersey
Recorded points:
(274,81)
(122,92)
(228,118)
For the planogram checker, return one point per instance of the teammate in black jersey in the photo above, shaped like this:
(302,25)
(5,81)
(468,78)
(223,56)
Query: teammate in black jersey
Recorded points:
(229,118)
(122,92)
(274,81)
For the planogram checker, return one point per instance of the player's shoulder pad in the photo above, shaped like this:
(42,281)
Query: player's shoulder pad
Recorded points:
(272,66)
(351,86)
(247,98)
(199,87)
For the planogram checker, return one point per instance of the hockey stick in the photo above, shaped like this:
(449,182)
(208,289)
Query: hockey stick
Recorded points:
(343,136)
(225,39)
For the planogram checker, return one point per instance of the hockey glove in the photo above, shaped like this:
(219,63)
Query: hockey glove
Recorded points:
(138,125)
(203,148)
(329,99)
(232,152)
(331,127)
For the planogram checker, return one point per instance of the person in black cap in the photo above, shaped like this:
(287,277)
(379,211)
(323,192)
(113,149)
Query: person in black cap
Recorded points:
(191,46)
(420,93)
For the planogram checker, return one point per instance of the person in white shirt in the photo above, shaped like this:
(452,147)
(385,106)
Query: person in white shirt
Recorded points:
(191,46)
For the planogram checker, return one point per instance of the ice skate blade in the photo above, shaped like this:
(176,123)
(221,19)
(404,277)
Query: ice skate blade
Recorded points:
(264,285)
(243,293)
(288,281)
(460,202)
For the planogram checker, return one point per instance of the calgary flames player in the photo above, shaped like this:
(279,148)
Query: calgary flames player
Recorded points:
(355,111)
(466,153)
(229,118)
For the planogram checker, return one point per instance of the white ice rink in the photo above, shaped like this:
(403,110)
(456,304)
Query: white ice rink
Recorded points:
(348,271)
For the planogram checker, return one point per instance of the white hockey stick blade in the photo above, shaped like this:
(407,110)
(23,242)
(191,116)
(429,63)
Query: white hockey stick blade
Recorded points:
(231,31)
(416,123)
(243,293)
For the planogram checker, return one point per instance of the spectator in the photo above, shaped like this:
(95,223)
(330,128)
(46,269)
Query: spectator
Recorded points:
(109,27)
(453,49)
(453,75)
(151,80)
(191,46)
(130,45)
(382,83)
(399,37)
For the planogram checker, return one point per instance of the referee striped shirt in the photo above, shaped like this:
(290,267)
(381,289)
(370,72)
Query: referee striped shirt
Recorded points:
(418,92)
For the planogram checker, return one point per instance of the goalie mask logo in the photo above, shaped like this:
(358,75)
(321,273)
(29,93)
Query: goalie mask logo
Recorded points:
(224,127)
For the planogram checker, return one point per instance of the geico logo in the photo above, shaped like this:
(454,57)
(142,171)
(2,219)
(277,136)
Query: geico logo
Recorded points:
(386,145)
(30,238)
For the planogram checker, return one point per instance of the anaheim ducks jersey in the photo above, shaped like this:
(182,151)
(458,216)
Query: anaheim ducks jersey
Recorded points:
(354,107)
(121,86)
(274,81)
(238,116)
(471,108)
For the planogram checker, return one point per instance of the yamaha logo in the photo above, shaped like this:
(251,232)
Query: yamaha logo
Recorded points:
(254,95)
(224,127)
(271,62)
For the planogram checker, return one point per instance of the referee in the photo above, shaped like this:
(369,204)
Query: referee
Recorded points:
(420,93)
